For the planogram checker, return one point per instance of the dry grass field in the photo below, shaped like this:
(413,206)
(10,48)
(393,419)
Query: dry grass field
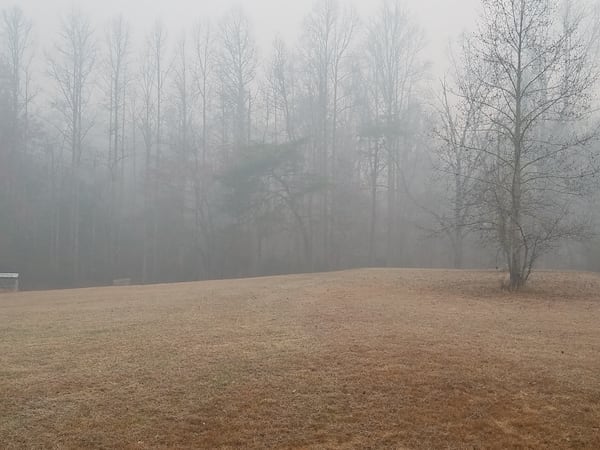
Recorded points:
(358,359)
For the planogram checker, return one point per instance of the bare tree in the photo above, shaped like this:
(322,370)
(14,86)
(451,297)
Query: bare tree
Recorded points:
(344,32)
(157,43)
(205,56)
(318,49)
(460,130)
(286,98)
(184,98)
(71,68)
(534,58)
(184,151)
(117,61)
(16,96)
(237,67)
(280,79)
(146,117)
(16,33)
(393,49)
(327,37)
(372,165)
(153,70)
(203,75)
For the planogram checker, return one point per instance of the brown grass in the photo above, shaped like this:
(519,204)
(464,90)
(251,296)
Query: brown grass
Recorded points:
(360,359)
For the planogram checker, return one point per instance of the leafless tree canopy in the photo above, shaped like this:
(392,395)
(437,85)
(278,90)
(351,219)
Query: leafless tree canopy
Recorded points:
(532,65)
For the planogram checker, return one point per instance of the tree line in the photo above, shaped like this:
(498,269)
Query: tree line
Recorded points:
(191,154)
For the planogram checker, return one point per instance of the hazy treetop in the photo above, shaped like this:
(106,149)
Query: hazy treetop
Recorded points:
(441,20)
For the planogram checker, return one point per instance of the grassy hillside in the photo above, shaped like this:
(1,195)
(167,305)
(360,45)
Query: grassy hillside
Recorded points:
(396,358)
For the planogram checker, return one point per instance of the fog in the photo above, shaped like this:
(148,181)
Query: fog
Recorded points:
(441,20)
(181,140)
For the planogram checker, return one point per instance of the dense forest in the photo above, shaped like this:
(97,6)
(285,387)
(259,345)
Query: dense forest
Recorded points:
(195,154)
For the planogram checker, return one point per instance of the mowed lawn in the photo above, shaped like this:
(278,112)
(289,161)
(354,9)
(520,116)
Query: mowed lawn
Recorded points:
(358,359)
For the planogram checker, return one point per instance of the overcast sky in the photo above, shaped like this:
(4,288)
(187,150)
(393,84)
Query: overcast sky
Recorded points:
(442,20)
